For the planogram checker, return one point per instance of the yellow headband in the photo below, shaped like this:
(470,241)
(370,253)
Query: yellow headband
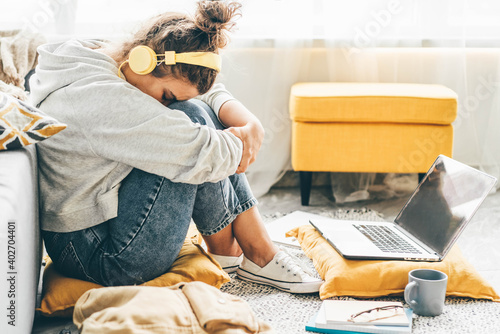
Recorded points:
(143,60)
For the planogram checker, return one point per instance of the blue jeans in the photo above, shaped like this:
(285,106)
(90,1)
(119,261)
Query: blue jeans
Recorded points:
(154,214)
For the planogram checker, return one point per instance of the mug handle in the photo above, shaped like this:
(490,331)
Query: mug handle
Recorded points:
(409,287)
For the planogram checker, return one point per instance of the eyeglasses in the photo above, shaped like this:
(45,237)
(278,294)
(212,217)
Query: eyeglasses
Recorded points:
(376,313)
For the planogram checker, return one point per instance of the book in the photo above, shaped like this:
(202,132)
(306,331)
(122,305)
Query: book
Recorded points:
(339,312)
(318,324)
(278,228)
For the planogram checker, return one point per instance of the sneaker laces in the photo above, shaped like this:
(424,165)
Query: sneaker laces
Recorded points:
(293,264)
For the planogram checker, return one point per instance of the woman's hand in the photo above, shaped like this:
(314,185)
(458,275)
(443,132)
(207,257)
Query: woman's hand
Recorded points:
(244,125)
(252,135)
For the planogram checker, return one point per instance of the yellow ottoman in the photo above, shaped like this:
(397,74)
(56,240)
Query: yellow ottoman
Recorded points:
(369,127)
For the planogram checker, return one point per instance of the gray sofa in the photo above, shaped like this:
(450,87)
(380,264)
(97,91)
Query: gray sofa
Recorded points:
(20,242)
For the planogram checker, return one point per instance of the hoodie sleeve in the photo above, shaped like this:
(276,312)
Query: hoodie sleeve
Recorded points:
(125,125)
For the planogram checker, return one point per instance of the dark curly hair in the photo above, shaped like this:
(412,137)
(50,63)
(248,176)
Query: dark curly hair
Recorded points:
(206,31)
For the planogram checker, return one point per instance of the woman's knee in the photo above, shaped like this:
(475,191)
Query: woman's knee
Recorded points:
(198,111)
(195,112)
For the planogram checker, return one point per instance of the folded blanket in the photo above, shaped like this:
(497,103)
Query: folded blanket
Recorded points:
(188,308)
(17,92)
(18,56)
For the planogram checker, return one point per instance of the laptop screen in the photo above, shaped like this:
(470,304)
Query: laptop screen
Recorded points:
(444,202)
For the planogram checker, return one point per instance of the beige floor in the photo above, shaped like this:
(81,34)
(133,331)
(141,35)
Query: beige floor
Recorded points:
(480,241)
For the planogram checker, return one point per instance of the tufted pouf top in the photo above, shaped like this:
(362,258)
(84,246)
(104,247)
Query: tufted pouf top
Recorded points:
(372,102)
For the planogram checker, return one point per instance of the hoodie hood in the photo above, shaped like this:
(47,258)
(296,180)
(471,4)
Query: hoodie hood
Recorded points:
(63,64)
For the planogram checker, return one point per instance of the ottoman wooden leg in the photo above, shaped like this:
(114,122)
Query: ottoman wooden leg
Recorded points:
(305,187)
(421,176)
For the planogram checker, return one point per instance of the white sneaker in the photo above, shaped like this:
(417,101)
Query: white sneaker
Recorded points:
(228,263)
(282,272)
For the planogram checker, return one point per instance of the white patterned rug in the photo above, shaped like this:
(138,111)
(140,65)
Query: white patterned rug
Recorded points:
(288,313)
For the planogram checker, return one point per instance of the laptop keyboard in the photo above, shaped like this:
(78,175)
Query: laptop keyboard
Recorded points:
(386,240)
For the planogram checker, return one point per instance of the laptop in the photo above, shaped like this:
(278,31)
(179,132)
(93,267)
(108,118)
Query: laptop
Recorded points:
(426,227)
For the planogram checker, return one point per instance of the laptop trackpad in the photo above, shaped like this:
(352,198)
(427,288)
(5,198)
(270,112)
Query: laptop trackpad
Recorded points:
(347,238)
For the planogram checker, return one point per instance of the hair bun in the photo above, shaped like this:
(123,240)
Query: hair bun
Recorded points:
(216,19)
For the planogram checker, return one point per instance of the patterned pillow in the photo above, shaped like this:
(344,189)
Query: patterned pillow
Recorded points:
(22,125)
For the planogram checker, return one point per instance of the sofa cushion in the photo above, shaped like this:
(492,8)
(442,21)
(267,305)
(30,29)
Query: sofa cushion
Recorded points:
(367,279)
(372,102)
(22,124)
(19,238)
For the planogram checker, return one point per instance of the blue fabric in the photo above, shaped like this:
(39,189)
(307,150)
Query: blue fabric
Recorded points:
(154,214)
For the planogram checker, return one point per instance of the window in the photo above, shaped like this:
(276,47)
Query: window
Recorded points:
(370,22)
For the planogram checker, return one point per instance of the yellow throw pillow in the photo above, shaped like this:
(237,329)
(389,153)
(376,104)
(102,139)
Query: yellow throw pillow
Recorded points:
(367,279)
(60,293)
(22,125)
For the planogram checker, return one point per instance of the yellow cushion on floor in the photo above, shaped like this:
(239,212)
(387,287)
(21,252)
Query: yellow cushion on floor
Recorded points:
(367,279)
(60,293)
(372,102)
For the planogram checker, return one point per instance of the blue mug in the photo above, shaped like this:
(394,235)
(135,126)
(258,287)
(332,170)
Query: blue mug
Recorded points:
(426,291)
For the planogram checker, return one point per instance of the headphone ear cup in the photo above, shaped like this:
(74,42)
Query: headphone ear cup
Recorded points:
(142,60)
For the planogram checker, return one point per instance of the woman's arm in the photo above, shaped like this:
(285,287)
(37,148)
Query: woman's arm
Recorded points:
(239,120)
(244,125)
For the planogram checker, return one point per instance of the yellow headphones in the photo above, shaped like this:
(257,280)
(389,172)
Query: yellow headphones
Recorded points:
(143,60)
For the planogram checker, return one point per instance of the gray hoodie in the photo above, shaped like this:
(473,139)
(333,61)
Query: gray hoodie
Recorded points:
(112,127)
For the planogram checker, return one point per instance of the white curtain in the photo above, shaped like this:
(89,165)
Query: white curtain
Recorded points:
(279,42)
(453,43)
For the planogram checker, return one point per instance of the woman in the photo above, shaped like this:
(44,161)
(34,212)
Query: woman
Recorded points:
(140,158)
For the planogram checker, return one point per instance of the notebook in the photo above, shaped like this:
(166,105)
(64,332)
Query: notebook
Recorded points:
(338,312)
(319,324)
(428,224)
